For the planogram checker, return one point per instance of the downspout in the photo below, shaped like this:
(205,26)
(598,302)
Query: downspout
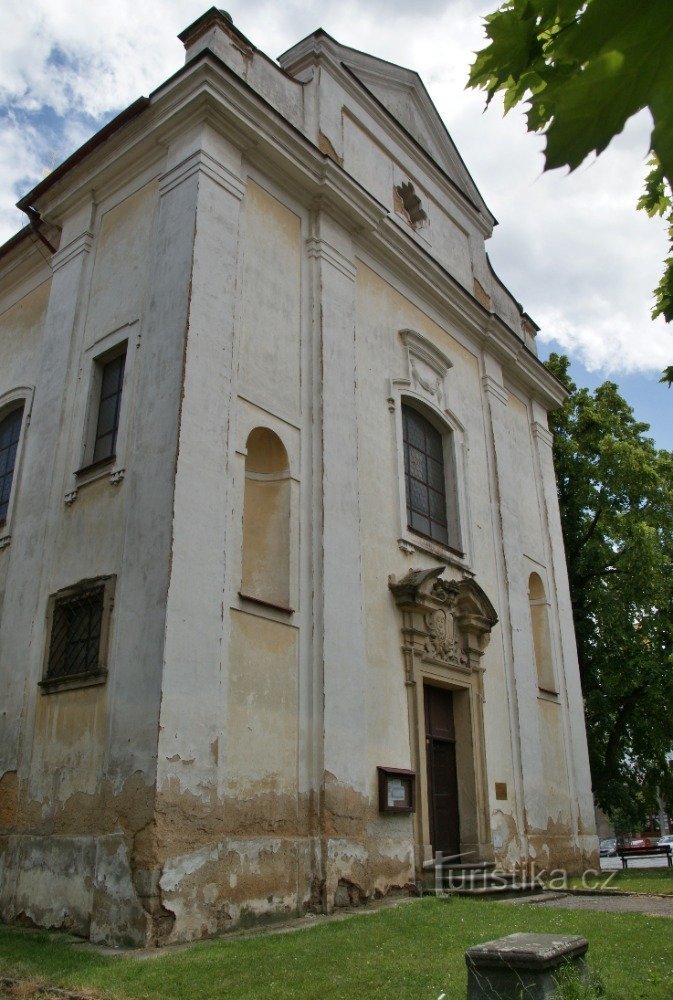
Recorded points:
(35,219)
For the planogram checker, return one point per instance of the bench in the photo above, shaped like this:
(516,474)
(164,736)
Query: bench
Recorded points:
(651,852)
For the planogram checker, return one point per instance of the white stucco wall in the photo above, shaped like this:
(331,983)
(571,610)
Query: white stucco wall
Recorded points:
(262,278)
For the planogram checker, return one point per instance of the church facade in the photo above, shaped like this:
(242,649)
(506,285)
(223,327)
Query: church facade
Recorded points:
(284,609)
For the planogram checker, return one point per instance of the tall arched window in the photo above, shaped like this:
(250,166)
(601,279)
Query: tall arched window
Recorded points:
(10,431)
(539,615)
(429,479)
(266,520)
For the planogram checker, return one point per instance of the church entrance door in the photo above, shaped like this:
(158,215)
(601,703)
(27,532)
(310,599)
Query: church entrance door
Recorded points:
(440,748)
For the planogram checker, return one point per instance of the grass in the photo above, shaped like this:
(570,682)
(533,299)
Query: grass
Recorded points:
(649,880)
(415,951)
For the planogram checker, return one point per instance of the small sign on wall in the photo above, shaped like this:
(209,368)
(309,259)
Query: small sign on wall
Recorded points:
(397,790)
(501,791)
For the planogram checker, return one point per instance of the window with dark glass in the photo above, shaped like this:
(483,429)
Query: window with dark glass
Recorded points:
(10,431)
(112,380)
(75,642)
(424,476)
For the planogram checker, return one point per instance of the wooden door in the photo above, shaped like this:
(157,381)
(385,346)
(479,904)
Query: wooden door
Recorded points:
(440,747)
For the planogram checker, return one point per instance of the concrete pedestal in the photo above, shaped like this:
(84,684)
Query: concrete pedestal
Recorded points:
(521,966)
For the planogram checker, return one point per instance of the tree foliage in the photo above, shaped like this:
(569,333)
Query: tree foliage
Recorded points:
(616,498)
(585,67)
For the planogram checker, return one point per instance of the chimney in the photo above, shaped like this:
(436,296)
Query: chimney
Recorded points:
(215,31)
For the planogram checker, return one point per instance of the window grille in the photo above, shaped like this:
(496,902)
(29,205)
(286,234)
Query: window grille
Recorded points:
(424,476)
(10,431)
(112,380)
(75,642)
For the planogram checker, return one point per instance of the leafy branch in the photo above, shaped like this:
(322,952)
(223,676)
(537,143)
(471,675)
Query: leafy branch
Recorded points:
(584,67)
(617,520)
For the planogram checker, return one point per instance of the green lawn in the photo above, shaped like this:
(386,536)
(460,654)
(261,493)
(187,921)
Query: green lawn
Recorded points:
(414,952)
(657,880)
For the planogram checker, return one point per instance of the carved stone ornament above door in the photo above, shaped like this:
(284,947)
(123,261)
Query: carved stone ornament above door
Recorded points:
(446,623)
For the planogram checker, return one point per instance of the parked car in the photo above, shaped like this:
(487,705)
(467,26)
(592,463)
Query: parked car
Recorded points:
(608,848)
(666,841)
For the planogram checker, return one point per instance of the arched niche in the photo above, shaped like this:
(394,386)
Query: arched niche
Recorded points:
(539,616)
(266,520)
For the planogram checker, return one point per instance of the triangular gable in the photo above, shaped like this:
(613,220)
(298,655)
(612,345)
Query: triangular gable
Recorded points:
(402,93)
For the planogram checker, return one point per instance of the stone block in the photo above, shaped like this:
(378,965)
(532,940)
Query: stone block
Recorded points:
(522,966)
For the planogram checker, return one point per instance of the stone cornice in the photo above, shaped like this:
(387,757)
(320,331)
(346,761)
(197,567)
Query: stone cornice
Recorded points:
(322,250)
(495,389)
(542,434)
(22,268)
(81,244)
(122,156)
(422,273)
(204,95)
(202,162)
(206,91)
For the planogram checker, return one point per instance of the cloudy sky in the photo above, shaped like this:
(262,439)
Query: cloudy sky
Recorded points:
(571,247)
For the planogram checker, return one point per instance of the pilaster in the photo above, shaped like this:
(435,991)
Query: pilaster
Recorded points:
(347,782)
(34,533)
(575,739)
(195,679)
(515,631)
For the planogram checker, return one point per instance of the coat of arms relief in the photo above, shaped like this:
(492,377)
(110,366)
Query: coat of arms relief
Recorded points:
(447,621)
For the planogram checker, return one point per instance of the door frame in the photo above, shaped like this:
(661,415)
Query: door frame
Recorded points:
(446,626)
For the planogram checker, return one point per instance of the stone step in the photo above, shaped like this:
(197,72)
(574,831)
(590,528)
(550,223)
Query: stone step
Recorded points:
(483,866)
(514,888)
(503,879)
(476,879)
(479,887)
(459,866)
(511,887)
(474,875)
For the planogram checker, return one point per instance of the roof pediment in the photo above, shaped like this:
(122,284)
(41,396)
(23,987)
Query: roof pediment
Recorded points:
(403,95)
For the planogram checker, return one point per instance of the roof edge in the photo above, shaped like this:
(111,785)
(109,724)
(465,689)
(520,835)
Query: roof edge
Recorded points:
(118,122)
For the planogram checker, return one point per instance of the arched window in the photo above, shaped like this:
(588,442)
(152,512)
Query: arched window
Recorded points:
(539,615)
(10,431)
(266,520)
(429,479)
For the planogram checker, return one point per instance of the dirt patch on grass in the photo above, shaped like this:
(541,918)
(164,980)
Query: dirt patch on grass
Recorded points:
(36,989)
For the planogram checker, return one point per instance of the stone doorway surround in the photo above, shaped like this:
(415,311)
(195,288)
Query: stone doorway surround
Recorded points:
(446,626)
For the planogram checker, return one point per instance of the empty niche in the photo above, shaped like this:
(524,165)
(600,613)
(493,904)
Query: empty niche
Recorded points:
(539,614)
(266,520)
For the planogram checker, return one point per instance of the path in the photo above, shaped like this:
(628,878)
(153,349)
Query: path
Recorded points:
(653,906)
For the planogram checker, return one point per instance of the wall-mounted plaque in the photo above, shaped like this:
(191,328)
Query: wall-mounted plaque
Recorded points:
(397,790)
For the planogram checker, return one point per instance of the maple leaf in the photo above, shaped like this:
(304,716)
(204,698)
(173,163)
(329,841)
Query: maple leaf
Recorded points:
(585,68)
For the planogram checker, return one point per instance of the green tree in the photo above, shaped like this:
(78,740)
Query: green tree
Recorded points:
(585,67)
(616,497)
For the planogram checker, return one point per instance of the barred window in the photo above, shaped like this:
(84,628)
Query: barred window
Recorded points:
(78,621)
(75,633)
(107,425)
(10,431)
(425,477)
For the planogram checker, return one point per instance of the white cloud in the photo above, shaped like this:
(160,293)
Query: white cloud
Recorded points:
(571,248)
(18,159)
